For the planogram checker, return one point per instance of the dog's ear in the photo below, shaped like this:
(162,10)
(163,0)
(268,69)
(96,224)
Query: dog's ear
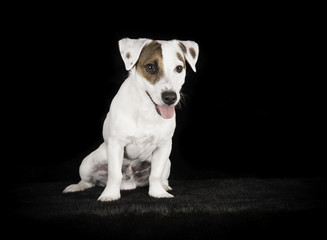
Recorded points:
(130,50)
(191,52)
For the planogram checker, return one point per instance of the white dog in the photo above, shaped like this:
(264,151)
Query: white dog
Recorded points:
(140,124)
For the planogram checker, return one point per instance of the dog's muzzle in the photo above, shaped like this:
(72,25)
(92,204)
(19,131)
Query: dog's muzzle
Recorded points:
(169,98)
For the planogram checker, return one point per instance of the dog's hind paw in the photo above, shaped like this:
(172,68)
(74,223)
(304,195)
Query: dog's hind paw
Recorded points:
(77,187)
(167,187)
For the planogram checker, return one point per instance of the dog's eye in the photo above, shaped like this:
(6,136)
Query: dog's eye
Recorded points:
(150,68)
(179,68)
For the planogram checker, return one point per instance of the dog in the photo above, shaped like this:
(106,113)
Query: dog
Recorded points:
(139,127)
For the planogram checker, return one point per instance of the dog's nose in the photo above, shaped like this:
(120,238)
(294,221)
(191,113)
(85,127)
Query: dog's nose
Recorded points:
(169,97)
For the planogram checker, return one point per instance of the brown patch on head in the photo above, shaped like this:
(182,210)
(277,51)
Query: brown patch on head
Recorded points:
(151,55)
(182,46)
(128,55)
(180,57)
(192,52)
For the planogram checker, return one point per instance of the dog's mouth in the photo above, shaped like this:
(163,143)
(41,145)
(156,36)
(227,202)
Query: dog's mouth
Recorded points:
(166,112)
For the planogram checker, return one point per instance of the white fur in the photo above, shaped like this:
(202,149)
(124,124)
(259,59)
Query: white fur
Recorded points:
(133,129)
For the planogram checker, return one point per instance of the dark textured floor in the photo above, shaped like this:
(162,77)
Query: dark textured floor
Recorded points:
(224,208)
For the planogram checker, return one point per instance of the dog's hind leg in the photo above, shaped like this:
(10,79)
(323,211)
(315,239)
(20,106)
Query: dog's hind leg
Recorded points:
(82,185)
(92,170)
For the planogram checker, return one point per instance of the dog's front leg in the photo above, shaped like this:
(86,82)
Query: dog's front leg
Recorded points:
(115,152)
(158,164)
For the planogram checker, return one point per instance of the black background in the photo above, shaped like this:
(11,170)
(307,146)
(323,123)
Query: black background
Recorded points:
(251,109)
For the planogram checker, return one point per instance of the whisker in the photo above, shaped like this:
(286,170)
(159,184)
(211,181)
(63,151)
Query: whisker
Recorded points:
(182,100)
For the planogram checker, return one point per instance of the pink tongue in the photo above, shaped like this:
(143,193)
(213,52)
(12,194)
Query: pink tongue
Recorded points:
(166,112)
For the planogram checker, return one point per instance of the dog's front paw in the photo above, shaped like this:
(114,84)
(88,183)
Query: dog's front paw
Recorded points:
(109,194)
(160,194)
(109,197)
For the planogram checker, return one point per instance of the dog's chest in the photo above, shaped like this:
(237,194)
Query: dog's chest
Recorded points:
(140,148)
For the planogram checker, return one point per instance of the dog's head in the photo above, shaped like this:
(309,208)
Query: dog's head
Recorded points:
(161,67)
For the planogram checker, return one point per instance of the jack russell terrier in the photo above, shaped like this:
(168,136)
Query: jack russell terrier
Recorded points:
(140,124)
